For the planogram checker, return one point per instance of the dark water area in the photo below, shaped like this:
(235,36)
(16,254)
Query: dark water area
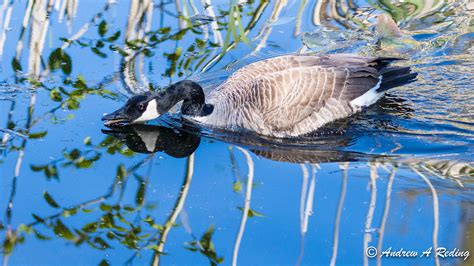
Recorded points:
(398,175)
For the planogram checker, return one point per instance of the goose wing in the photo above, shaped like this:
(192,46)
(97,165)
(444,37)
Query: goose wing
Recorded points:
(289,96)
(285,62)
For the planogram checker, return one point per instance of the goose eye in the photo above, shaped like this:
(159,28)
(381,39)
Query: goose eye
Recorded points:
(141,106)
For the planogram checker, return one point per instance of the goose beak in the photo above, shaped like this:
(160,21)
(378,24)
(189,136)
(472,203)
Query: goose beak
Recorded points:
(117,118)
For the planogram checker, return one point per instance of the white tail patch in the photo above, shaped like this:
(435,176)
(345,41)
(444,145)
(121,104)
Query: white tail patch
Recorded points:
(150,113)
(368,98)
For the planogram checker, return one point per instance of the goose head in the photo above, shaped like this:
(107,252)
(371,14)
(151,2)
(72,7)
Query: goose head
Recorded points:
(148,106)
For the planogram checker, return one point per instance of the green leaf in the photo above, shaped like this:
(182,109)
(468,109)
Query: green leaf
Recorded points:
(83,44)
(114,37)
(40,236)
(55,95)
(140,197)
(51,171)
(38,219)
(61,230)
(129,208)
(80,82)
(59,59)
(104,262)
(69,212)
(50,200)
(237,186)
(87,141)
(105,207)
(16,65)
(152,223)
(37,168)
(208,248)
(71,104)
(90,227)
(74,154)
(83,163)
(147,52)
(65,40)
(9,243)
(252,213)
(84,210)
(101,242)
(164,30)
(242,36)
(121,172)
(25,228)
(102,28)
(96,51)
(37,135)
(201,44)
(66,65)
(154,247)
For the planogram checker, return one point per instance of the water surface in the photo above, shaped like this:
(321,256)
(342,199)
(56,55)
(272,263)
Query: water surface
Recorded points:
(397,175)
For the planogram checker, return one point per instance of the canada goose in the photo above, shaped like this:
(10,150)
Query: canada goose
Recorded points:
(285,96)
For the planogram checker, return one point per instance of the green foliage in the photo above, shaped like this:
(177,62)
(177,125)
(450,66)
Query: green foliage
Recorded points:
(59,59)
(81,159)
(140,196)
(206,247)
(114,37)
(114,145)
(10,241)
(49,170)
(102,30)
(237,186)
(50,200)
(37,135)
(104,262)
(55,95)
(121,173)
(16,65)
(252,213)
(61,230)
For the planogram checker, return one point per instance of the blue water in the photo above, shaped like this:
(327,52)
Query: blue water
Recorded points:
(398,175)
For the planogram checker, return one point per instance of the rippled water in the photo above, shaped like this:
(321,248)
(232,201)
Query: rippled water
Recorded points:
(398,175)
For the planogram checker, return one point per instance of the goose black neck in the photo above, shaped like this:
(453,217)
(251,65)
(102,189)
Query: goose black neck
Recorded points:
(192,95)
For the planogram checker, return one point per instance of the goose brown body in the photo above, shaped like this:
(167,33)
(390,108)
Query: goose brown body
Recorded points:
(293,95)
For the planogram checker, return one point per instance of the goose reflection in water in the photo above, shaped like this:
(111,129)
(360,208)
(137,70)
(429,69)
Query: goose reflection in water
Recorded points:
(182,142)
(177,143)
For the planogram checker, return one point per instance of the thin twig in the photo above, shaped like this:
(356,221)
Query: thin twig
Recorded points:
(370,212)
(177,209)
(386,210)
(435,212)
(304,189)
(340,204)
(245,211)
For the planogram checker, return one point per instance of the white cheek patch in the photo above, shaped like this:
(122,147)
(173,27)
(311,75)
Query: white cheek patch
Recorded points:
(150,112)
(149,140)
